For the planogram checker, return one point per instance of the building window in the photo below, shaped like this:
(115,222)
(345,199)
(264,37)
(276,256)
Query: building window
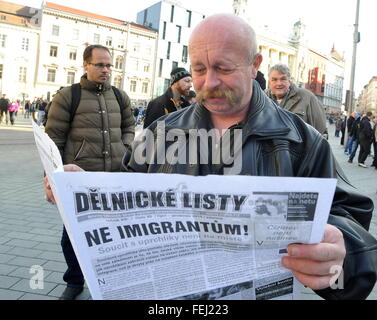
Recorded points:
(174,65)
(145,87)
(146,67)
(3,39)
(188,16)
(70,77)
(160,68)
(55,30)
(75,34)
(25,44)
(22,74)
(184,54)
(168,51)
(51,74)
(1,71)
(166,84)
(164,31)
(3,17)
(72,54)
(109,41)
(96,38)
(137,47)
(121,44)
(135,65)
(53,51)
(148,50)
(119,62)
(133,86)
(172,14)
(179,30)
(117,82)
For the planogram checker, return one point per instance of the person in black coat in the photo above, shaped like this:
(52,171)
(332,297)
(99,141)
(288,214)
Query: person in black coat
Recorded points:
(374,164)
(173,99)
(365,138)
(354,133)
(261,80)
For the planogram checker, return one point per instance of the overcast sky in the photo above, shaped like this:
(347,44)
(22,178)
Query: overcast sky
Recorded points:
(328,22)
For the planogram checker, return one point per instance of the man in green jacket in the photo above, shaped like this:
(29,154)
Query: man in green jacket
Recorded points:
(95,139)
(297,100)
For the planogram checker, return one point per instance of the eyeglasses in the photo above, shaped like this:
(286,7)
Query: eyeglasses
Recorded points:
(102,65)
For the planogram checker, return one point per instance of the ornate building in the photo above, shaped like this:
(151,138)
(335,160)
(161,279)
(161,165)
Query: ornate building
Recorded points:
(46,46)
(19,45)
(323,74)
(367,100)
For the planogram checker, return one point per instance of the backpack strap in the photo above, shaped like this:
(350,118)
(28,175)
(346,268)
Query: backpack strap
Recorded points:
(119,98)
(76,97)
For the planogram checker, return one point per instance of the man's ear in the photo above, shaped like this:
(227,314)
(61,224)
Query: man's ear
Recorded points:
(256,64)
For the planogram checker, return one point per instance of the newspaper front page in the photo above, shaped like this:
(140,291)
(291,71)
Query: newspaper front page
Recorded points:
(160,236)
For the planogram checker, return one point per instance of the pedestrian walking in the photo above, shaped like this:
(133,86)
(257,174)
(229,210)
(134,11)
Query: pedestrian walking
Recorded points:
(338,126)
(4,104)
(13,108)
(355,137)
(34,109)
(27,109)
(365,138)
(343,130)
(350,121)
(95,136)
(374,164)
(41,111)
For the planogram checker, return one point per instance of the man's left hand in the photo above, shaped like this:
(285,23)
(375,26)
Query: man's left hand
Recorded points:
(312,263)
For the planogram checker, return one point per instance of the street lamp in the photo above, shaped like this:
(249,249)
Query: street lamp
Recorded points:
(356,40)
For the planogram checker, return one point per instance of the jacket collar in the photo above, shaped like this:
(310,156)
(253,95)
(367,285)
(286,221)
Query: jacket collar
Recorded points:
(265,119)
(93,86)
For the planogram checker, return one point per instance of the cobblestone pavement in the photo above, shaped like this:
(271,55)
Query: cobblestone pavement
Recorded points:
(30,227)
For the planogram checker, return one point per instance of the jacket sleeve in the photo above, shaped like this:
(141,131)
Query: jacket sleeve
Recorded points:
(154,111)
(351,213)
(58,124)
(316,115)
(128,122)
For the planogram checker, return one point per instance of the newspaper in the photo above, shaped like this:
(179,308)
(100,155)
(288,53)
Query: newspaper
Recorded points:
(160,236)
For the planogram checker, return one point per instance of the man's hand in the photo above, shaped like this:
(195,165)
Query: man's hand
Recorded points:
(47,187)
(311,263)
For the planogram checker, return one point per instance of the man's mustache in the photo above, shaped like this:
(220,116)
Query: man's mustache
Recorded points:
(216,94)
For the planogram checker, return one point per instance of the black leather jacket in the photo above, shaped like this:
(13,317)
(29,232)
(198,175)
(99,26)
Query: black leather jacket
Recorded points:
(275,142)
(161,106)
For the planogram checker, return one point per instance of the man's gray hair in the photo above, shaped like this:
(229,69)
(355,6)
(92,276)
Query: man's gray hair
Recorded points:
(281,68)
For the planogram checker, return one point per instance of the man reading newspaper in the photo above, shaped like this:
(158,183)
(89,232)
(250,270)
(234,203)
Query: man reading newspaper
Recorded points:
(263,140)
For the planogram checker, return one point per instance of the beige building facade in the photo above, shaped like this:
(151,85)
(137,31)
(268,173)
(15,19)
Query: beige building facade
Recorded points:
(19,45)
(367,100)
(65,33)
(42,49)
(322,74)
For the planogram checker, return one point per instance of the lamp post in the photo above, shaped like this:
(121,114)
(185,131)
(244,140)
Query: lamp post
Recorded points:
(356,40)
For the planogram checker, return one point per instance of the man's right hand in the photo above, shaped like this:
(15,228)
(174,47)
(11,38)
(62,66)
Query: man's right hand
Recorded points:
(47,187)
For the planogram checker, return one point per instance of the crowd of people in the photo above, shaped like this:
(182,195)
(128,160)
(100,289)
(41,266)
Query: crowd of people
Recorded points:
(9,110)
(93,126)
(361,135)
